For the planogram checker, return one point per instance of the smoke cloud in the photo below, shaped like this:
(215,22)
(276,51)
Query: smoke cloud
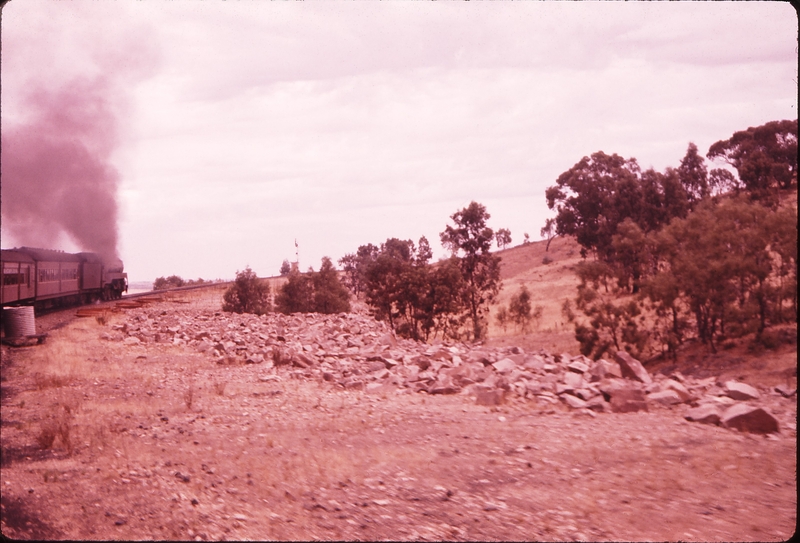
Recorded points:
(56,173)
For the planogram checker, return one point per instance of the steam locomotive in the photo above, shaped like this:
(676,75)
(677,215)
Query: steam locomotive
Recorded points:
(46,278)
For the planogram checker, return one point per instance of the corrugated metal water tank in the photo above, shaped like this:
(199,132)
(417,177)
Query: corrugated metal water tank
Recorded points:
(19,321)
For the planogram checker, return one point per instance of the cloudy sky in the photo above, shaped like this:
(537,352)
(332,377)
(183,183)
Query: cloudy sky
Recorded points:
(223,131)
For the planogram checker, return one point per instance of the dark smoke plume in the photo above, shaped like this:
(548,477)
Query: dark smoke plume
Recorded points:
(56,174)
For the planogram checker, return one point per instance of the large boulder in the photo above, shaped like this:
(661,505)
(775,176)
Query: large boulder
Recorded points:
(741,391)
(748,418)
(632,368)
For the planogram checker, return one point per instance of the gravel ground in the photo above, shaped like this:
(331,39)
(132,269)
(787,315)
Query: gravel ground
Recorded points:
(155,441)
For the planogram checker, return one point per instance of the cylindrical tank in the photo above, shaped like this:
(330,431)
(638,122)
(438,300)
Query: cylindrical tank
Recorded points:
(19,321)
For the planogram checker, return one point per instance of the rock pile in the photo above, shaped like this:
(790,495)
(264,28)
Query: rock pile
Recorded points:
(356,352)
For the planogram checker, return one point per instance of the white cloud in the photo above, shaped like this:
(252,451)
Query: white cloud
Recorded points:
(347,123)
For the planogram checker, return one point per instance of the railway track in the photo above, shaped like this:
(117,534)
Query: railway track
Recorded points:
(54,318)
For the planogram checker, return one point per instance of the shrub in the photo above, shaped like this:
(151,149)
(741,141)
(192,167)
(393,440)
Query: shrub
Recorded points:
(519,309)
(172,281)
(248,294)
(502,317)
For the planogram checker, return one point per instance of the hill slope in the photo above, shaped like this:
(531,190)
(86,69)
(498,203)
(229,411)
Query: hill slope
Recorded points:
(551,283)
(550,278)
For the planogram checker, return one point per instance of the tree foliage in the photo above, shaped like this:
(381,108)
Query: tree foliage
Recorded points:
(687,251)
(421,300)
(248,294)
(764,156)
(614,318)
(355,267)
(176,281)
(417,299)
(597,194)
(503,238)
(286,268)
(734,264)
(173,281)
(472,239)
(520,310)
(313,292)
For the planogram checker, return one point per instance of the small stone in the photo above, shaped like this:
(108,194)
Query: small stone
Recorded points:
(573,402)
(598,403)
(665,397)
(785,391)
(706,414)
(490,396)
(578,367)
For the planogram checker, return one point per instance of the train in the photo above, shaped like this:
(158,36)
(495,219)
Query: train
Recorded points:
(45,278)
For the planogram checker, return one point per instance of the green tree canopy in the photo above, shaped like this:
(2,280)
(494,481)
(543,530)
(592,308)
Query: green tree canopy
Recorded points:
(471,240)
(313,292)
(503,237)
(597,194)
(248,294)
(764,156)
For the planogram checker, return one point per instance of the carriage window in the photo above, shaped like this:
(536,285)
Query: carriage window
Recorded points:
(69,274)
(48,275)
(11,276)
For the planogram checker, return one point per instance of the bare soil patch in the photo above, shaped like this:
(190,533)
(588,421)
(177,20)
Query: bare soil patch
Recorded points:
(156,441)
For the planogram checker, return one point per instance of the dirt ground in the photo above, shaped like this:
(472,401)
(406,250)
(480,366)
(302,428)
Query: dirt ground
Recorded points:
(158,442)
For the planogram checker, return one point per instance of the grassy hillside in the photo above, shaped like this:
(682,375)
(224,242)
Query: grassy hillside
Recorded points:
(550,284)
(550,278)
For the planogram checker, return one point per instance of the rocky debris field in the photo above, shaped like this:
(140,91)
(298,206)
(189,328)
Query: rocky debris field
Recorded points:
(356,352)
(176,421)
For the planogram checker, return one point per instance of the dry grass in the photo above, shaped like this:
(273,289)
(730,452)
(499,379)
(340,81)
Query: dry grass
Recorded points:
(548,283)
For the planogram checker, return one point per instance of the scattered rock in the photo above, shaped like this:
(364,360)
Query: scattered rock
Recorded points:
(489,396)
(682,392)
(356,352)
(707,414)
(573,402)
(741,391)
(785,391)
(665,397)
(747,418)
(505,365)
(632,368)
(627,400)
